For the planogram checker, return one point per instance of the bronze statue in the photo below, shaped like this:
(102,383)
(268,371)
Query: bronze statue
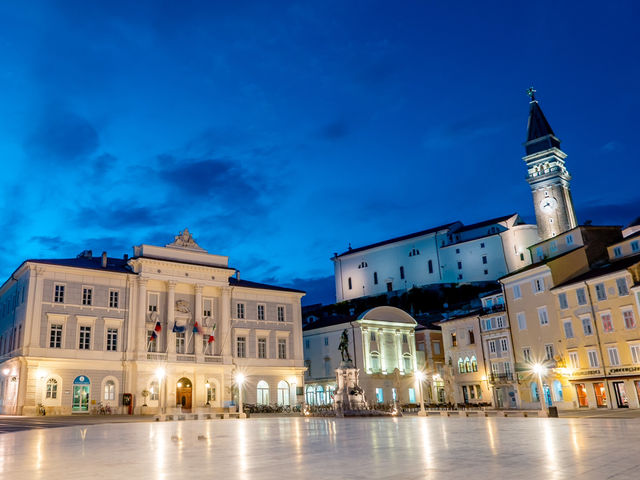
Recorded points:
(344,346)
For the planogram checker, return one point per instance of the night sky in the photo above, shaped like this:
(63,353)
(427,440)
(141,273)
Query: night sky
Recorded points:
(280,132)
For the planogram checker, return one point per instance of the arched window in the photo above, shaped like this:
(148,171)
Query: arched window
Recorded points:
(535,395)
(52,388)
(329,395)
(375,361)
(557,390)
(467,365)
(154,390)
(263,393)
(310,395)
(319,395)
(283,393)
(474,364)
(461,366)
(110,390)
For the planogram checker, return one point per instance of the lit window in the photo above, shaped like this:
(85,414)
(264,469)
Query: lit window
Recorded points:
(593,358)
(154,391)
(573,360)
(52,388)
(607,324)
(263,393)
(614,358)
(109,390)
(629,320)
(548,349)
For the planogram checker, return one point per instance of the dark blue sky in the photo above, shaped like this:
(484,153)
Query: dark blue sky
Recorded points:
(279,132)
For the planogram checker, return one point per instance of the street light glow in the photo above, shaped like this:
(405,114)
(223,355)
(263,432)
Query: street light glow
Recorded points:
(420,376)
(239,378)
(160,373)
(538,369)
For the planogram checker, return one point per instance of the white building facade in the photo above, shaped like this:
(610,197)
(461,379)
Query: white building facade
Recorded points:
(451,253)
(171,327)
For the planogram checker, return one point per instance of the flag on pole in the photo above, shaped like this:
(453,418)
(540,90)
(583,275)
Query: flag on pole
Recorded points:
(211,337)
(197,328)
(153,336)
(178,329)
(158,327)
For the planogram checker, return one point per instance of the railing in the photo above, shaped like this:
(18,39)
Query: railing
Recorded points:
(185,358)
(212,359)
(156,356)
(493,309)
(501,377)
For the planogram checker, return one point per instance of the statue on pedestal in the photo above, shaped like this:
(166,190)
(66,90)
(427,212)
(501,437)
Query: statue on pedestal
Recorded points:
(348,395)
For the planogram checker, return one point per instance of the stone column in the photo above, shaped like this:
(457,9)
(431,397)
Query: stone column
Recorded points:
(400,359)
(298,355)
(366,340)
(171,309)
(197,338)
(412,350)
(383,351)
(140,323)
(223,336)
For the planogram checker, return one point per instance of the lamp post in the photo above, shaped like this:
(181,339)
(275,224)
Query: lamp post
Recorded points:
(239,382)
(208,386)
(539,370)
(420,377)
(160,374)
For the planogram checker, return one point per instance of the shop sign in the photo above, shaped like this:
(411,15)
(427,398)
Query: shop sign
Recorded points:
(623,370)
(587,373)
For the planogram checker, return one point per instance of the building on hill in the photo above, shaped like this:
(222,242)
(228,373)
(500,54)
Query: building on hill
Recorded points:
(171,322)
(382,344)
(448,254)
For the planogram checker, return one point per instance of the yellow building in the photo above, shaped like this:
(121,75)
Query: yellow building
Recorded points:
(599,319)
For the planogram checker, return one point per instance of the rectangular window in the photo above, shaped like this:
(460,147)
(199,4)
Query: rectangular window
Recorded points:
(482,245)
(112,339)
(617,252)
(87,296)
(538,285)
(562,298)
(326,339)
(472,337)
(614,358)
(350,284)
(240,310)
(379,395)
(593,358)
(492,346)
(375,278)
(539,253)
(153,302)
(543,316)
(629,320)
(635,246)
(601,293)
(454,340)
(152,343)
(436,348)
(607,324)
(181,342)
(504,346)
(484,259)
(281,314)
(522,321)
(573,360)
(526,354)
(581,296)
(207,307)
(548,350)
(459,265)
(58,293)
(586,326)
(55,336)
(569,239)
(623,290)
(282,348)
(553,246)
(430,266)
(457,250)
(260,312)
(114,297)
(241,347)
(262,348)
(635,353)
(412,395)
(402,273)
(85,337)
(568,329)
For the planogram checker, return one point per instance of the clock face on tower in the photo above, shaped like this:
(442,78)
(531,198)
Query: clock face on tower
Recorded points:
(548,204)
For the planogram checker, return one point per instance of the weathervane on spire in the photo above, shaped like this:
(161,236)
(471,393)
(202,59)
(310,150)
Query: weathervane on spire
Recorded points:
(532,93)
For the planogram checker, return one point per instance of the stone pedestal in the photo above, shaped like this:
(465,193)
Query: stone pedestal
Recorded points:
(348,395)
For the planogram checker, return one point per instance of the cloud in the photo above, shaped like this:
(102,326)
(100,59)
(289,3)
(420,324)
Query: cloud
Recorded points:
(118,216)
(61,134)
(611,146)
(319,289)
(621,213)
(334,130)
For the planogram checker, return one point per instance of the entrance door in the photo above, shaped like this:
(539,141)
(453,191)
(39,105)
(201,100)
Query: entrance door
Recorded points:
(601,394)
(80,398)
(183,393)
(581,393)
(621,395)
(465,394)
(547,395)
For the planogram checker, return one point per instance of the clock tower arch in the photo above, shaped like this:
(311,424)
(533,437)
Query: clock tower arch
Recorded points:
(547,175)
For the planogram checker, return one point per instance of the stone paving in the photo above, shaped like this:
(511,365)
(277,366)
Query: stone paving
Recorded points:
(410,447)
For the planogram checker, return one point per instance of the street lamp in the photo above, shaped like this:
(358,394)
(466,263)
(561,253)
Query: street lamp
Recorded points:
(539,370)
(239,382)
(160,374)
(208,386)
(420,377)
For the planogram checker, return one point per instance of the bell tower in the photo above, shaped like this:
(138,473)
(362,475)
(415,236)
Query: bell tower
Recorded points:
(547,175)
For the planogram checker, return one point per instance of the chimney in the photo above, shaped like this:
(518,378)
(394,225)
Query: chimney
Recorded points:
(104,259)
(126,257)
(238,275)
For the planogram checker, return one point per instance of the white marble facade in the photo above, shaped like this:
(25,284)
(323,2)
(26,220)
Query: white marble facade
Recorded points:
(78,332)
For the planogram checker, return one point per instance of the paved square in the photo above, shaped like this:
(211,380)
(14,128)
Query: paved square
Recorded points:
(361,448)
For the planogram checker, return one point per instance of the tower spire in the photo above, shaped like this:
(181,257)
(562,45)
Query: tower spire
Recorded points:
(540,135)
